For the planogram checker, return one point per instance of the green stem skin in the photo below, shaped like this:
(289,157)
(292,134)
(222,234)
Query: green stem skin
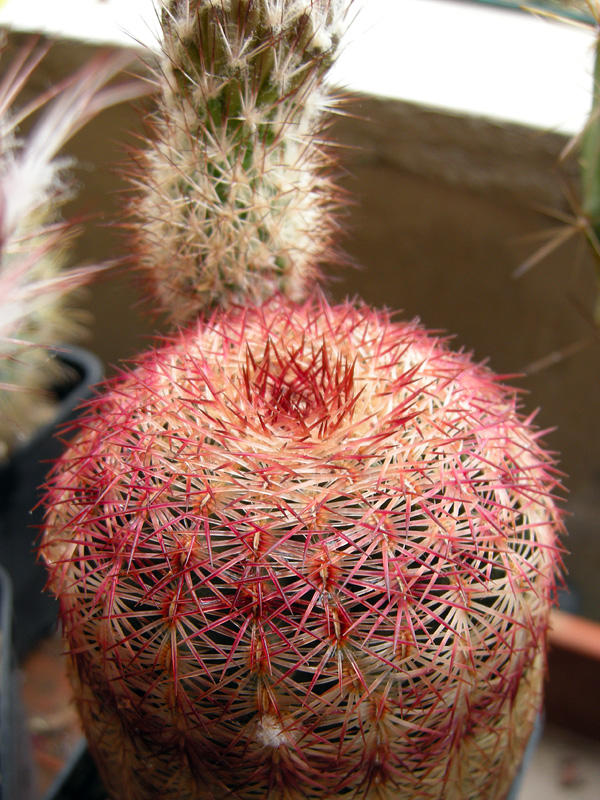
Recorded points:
(590,169)
(590,153)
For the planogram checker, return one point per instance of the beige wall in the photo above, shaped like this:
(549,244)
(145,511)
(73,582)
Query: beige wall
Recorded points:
(443,205)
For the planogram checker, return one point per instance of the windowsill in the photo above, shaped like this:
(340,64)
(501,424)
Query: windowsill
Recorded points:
(462,57)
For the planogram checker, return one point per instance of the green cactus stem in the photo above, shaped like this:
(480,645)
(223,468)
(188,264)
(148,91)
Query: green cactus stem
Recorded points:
(590,173)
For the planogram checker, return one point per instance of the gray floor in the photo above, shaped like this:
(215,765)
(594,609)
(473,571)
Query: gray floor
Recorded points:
(564,767)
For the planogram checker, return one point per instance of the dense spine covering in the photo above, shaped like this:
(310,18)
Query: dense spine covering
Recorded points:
(302,551)
(235,202)
(305,552)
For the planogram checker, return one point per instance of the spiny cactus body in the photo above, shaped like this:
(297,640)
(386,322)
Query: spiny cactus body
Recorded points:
(302,551)
(305,552)
(235,202)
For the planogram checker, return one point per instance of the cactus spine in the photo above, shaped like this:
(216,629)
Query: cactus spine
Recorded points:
(301,550)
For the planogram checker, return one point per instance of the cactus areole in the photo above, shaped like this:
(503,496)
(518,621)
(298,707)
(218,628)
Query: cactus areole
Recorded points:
(301,550)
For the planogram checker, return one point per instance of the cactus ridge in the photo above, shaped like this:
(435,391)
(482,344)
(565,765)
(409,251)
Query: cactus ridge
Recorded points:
(235,200)
(305,551)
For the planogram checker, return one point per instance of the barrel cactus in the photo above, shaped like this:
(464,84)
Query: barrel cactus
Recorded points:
(302,550)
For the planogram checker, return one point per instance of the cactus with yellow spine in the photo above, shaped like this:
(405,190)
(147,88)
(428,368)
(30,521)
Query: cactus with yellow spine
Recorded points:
(235,202)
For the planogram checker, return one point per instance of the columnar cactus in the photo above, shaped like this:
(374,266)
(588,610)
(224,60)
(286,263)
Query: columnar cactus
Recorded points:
(235,202)
(301,550)
(589,218)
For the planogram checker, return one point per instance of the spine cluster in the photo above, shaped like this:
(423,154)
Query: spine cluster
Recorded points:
(236,201)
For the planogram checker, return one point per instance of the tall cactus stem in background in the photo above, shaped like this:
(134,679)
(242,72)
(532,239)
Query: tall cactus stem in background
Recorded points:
(236,201)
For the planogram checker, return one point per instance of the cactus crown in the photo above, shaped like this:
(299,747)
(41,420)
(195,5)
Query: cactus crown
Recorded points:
(235,201)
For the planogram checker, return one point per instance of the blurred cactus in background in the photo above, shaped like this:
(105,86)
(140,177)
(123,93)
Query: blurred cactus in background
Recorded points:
(584,219)
(590,164)
(38,292)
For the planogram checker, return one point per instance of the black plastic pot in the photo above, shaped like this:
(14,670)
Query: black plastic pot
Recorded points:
(79,780)
(532,745)
(16,782)
(34,612)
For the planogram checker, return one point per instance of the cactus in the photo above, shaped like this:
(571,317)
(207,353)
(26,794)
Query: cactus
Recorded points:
(302,550)
(589,220)
(38,295)
(584,221)
(305,552)
(235,202)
